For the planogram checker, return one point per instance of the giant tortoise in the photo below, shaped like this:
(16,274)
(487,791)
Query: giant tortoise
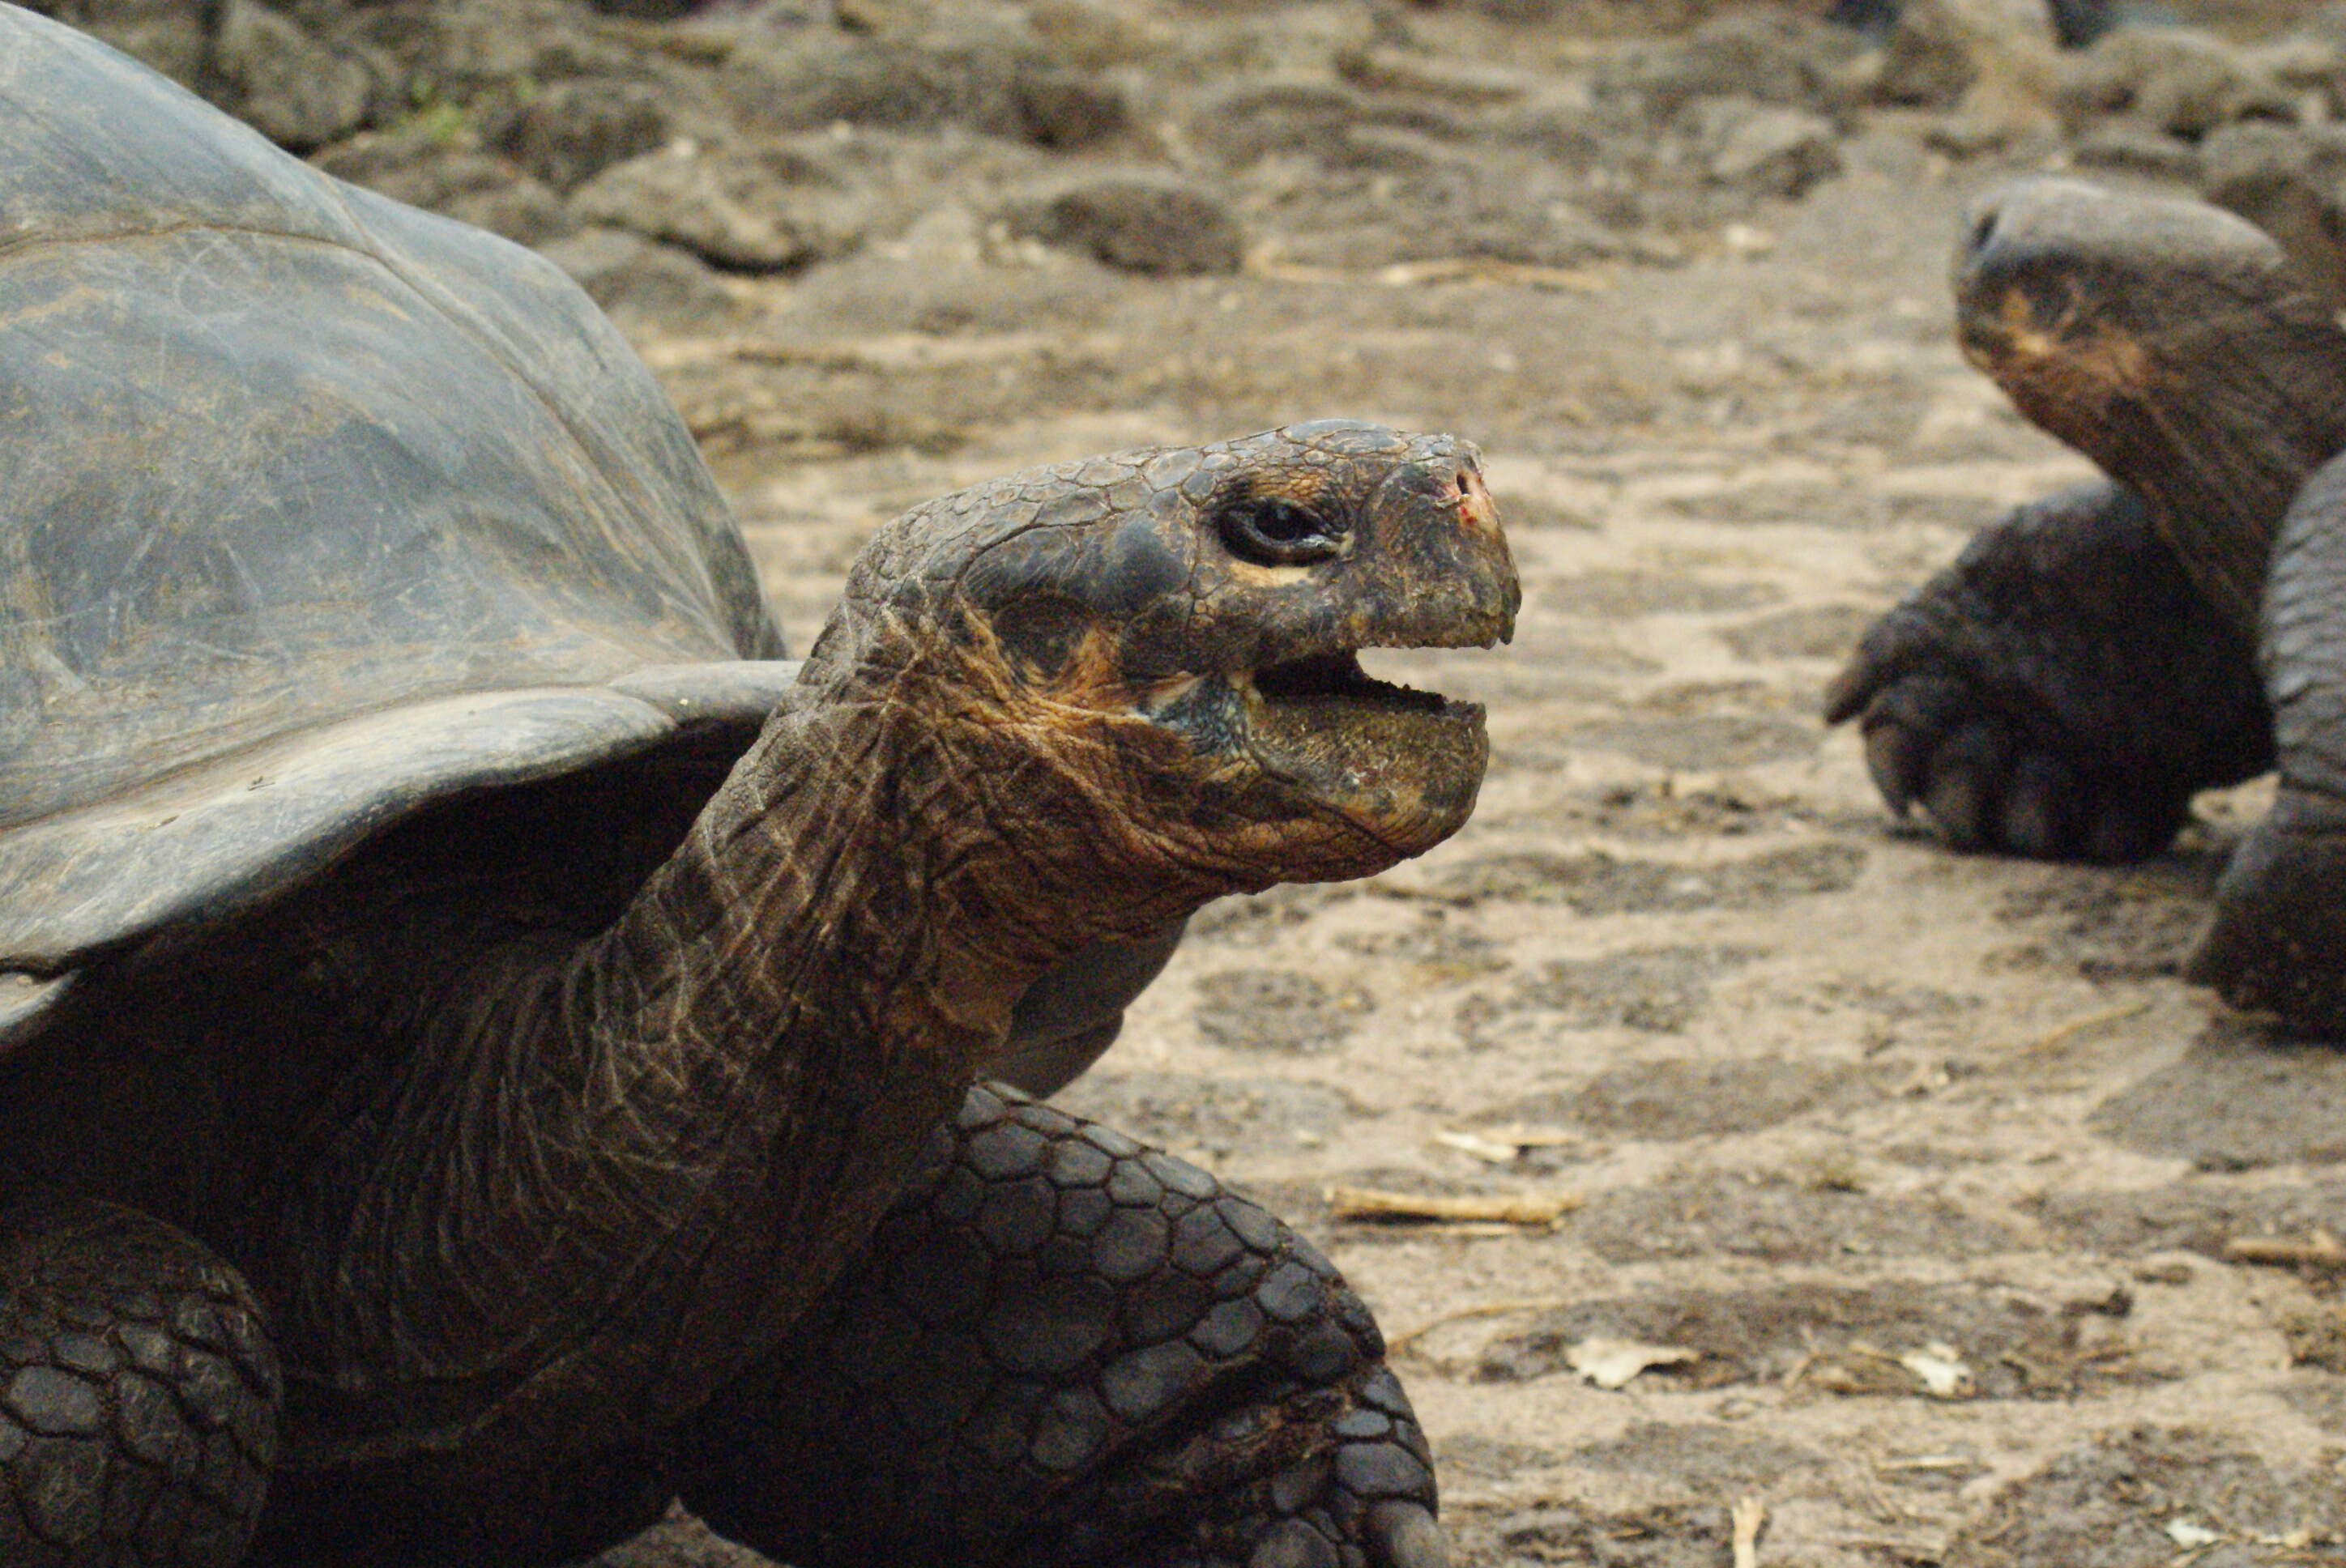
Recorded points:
(2093,659)
(490,1051)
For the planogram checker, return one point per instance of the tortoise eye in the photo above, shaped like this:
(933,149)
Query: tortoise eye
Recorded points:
(1275,533)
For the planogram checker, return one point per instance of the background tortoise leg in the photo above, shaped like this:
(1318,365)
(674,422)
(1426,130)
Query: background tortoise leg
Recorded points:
(2061,690)
(1064,1349)
(138,1394)
(2278,941)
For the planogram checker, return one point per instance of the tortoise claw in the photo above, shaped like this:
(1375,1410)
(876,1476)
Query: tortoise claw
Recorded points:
(2037,818)
(1965,791)
(1294,1544)
(1404,1535)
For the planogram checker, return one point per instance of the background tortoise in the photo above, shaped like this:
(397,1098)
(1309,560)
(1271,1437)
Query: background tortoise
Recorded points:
(471,1011)
(2093,659)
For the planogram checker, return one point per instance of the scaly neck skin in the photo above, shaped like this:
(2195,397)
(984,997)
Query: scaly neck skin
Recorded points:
(2216,427)
(649,1153)
(2230,456)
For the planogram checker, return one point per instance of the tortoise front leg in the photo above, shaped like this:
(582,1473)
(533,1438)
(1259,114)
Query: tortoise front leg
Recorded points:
(1065,1350)
(2060,691)
(138,1394)
(2278,941)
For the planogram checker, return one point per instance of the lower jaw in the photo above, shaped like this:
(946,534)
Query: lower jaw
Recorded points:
(1410,782)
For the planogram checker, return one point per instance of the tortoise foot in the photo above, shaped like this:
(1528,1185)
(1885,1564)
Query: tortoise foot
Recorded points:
(1366,1503)
(1065,1350)
(2059,692)
(138,1394)
(2278,941)
(1397,1535)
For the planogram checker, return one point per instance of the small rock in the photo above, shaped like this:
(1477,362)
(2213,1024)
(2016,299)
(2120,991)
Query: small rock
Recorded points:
(2124,148)
(1755,54)
(168,35)
(629,275)
(1939,51)
(730,208)
(453,178)
(291,87)
(572,131)
(968,75)
(1763,147)
(1139,222)
(2290,183)
(1063,108)
(1251,119)
(473,52)
(2303,62)
(2316,1333)
(2178,80)
(1095,33)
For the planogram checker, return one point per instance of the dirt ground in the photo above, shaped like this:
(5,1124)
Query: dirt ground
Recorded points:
(1900,1184)
(1912,1171)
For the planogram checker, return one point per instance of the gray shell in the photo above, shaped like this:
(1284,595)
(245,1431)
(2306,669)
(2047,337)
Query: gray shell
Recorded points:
(314,509)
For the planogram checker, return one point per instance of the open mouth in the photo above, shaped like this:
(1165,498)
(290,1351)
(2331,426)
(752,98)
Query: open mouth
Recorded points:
(1338,679)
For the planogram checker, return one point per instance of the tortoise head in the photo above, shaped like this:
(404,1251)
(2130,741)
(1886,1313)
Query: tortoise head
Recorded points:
(1146,661)
(2168,340)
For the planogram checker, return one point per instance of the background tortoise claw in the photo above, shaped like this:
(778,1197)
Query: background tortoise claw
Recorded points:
(2060,691)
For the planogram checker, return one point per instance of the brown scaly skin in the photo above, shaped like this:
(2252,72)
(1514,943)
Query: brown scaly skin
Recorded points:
(2065,687)
(993,1379)
(537,1184)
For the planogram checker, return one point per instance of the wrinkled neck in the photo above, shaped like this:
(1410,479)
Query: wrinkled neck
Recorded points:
(631,1165)
(886,859)
(2229,427)
(809,886)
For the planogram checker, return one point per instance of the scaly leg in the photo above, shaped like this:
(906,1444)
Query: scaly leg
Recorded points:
(138,1394)
(2279,942)
(2060,691)
(1065,1350)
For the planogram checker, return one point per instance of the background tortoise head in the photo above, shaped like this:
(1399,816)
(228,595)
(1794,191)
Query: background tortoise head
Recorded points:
(2171,342)
(2091,309)
(1156,648)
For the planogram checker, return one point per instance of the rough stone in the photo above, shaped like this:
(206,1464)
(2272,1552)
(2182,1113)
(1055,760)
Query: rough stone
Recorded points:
(1760,54)
(2178,80)
(1138,222)
(451,178)
(1065,108)
(169,35)
(1763,148)
(571,131)
(2290,183)
(629,275)
(292,88)
(1939,51)
(973,76)
(732,209)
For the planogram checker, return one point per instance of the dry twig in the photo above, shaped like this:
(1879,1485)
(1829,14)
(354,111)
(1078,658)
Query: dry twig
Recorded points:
(2320,1250)
(1373,1203)
(1748,1516)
